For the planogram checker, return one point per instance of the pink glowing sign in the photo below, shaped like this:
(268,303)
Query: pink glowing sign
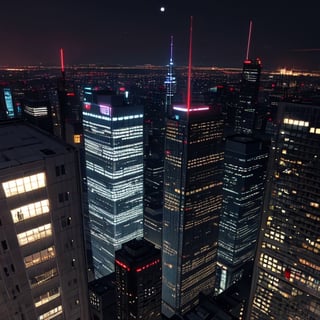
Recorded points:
(105,109)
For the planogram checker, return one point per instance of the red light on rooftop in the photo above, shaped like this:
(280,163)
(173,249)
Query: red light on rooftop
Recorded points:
(87,106)
(247,61)
(122,265)
(122,89)
(148,265)
(70,94)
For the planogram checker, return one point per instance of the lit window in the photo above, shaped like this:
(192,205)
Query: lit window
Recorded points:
(25,184)
(77,138)
(39,257)
(47,297)
(30,210)
(43,277)
(51,314)
(34,234)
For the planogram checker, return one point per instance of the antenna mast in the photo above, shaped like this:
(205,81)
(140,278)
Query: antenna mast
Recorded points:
(189,68)
(62,63)
(249,40)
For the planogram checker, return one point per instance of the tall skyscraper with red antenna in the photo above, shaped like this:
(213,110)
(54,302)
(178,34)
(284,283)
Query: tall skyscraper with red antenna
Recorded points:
(192,202)
(246,111)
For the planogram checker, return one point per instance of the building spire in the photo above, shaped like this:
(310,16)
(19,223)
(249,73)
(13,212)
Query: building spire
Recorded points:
(170,79)
(189,68)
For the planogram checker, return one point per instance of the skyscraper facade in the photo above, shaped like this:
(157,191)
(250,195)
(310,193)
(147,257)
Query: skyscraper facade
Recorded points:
(286,281)
(243,190)
(42,255)
(246,110)
(7,108)
(192,203)
(113,136)
(138,280)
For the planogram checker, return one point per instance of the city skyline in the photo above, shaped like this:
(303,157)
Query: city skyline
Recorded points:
(131,33)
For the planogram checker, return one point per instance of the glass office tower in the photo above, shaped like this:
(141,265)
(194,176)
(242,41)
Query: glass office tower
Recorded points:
(286,282)
(113,136)
(246,111)
(192,203)
(243,190)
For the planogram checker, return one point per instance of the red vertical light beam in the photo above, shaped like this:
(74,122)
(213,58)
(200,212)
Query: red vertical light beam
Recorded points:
(189,68)
(62,60)
(249,40)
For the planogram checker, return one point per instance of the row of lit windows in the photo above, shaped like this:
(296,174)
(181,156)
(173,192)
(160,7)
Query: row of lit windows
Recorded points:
(44,277)
(34,234)
(92,115)
(25,184)
(39,257)
(29,211)
(36,111)
(294,122)
(196,277)
(115,174)
(270,263)
(114,153)
(205,255)
(315,130)
(209,159)
(47,297)
(120,190)
(276,236)
(53,313)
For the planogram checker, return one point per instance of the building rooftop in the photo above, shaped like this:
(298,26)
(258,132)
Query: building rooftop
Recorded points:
(22,143)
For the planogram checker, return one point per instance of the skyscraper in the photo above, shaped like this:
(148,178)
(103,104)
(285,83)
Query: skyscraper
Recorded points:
(243,189)
(170,81)
(138,280)
(7,109)
(286,281)
(245,115)
(192,203)
(43,266)
(113,136)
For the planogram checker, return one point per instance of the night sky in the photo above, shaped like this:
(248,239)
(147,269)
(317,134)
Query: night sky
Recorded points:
(127,32)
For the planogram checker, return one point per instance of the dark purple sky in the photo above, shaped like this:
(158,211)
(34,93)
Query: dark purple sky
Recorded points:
(127,32)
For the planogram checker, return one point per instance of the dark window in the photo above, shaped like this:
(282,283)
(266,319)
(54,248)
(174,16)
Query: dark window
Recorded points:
(63,196)
(6,271)
(60,196)
(4,245)
(60,170)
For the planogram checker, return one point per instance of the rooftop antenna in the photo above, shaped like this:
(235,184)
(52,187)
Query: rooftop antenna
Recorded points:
(249,40)
(189,68)
(170,80)
(62,63)
(171,51)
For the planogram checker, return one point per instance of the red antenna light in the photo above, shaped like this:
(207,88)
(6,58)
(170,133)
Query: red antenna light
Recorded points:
(189,68)
(249,40)
(62,60)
